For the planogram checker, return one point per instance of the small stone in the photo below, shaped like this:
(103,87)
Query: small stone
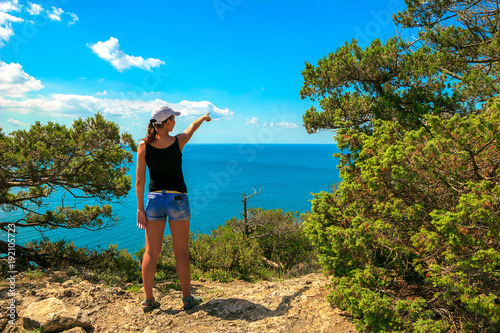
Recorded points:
(70,292)
(67,283)
(132,309)
(52,315)
(75,330)
(199,314)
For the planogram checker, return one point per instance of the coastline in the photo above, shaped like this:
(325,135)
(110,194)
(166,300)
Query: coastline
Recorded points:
(287,174)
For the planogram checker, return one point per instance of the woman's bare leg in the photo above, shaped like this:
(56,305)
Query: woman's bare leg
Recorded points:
(180,242)
(154,240)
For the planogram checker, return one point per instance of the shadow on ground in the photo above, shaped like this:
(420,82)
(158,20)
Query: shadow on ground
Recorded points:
(241,309)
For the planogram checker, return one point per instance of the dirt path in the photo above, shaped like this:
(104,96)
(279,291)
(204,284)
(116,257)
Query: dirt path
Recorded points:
(297,305)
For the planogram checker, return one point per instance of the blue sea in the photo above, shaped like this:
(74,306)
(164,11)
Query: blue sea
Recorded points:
(217,175)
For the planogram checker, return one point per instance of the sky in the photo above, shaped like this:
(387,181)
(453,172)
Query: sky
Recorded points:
(240,60)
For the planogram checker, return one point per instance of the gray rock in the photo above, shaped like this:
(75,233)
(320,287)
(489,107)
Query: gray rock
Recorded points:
(52,315)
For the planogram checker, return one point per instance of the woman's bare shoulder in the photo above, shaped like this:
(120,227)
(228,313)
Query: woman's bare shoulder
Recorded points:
(142,145)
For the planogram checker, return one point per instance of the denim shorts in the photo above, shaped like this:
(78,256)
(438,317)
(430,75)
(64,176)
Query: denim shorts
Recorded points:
(174,205)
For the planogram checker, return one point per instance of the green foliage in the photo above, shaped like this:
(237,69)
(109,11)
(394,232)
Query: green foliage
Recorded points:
(85,164)
(34,274)
(117,265)
(418,218)
(451,67)
(218,257)
(135,288)
(111,265)
(279,235)
(175,286)
(36,330)
(222,256)
(380,311)
(227,255)
(412,233)
(165,268)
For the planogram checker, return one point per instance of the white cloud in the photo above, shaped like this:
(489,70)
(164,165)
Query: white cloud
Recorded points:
(55,15)
(34,8)
(257,122)
(286,125)
(8,6)
(253,121)
(60,105)
(6,20)
(17,122)
(15,82)
(195,109)
(74,17)
(110,51)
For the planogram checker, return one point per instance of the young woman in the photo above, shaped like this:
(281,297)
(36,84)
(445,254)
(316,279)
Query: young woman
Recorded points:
(162,154)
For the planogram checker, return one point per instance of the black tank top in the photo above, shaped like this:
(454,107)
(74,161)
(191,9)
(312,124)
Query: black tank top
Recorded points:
(165,168)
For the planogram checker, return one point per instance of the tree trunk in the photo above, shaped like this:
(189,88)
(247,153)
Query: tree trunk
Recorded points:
(22,256)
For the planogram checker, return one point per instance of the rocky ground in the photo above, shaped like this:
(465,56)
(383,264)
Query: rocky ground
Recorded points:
(68,304)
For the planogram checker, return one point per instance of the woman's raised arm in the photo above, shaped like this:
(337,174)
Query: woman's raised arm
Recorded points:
(188,133)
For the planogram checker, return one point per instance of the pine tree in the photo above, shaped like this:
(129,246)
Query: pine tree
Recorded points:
(86,163)
(411,235)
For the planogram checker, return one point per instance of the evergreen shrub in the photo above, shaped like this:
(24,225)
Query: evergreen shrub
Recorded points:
(111,265)
(227,255)
(412,234)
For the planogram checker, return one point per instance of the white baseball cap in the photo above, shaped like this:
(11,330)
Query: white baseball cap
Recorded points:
(161,113)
